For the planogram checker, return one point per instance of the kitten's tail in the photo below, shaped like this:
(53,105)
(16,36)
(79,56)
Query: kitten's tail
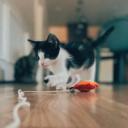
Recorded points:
(103,37)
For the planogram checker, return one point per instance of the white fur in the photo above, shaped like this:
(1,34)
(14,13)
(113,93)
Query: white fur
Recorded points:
(58,67)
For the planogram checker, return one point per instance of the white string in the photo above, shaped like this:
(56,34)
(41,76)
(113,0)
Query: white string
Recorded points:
(48,91)
(22,102)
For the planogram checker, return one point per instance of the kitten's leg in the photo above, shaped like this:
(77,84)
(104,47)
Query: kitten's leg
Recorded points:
(62,82)
(61,87)
(74,80)
(51,80)
(57,80)
(77,80)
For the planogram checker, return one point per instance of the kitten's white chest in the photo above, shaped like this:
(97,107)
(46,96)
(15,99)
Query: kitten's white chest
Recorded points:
(59,66)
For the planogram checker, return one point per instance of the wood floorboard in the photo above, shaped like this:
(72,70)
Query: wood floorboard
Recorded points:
(107,107)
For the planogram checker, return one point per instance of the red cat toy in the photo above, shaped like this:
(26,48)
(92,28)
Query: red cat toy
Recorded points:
(85,86)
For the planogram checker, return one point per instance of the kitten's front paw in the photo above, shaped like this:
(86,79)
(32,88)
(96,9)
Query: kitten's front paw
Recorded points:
(51,80)
(55,80)
(61,87)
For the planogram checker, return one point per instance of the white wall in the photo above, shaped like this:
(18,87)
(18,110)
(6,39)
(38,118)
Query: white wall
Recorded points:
(12,39)
(1,12)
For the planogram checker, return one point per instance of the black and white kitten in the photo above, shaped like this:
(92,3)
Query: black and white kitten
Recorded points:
(73,61)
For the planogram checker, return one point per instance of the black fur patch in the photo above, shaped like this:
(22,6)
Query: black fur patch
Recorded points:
(49,47)
(82,53)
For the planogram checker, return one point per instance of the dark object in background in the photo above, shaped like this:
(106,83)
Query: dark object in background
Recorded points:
(77,31)
(82,52)
(117,42)
(25,69)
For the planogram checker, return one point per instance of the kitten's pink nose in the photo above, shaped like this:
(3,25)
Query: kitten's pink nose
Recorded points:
(41,63)
(45,65)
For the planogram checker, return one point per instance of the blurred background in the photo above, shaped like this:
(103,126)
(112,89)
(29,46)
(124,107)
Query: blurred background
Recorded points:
(70,20)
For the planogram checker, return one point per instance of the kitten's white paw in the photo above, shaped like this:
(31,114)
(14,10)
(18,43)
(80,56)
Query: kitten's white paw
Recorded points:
(60,87)
(56,80)
(52,80)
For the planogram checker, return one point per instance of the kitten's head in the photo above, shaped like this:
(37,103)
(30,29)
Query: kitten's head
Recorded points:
(46,51)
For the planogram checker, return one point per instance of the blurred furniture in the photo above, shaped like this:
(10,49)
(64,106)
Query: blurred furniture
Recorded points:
(104,65)
(117,42)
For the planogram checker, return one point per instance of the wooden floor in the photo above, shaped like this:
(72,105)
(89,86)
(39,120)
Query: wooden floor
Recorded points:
(105,108)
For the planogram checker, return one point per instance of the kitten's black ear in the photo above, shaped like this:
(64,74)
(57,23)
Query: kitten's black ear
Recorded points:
(52,39)
(33,43)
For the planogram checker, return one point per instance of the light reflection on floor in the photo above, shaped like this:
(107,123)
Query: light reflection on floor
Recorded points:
(107,100)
